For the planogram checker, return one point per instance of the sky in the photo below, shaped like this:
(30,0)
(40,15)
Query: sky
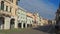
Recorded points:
(45,8)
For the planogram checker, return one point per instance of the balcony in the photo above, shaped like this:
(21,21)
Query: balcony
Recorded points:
(5,13)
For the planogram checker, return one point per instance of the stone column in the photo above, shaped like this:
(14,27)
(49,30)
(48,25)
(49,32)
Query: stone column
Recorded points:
(26,25)
(7,23)
(16,23)
(2,26)
(21,25)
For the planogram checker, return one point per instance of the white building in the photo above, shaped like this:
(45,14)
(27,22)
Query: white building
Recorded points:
(29,19)
(21,15)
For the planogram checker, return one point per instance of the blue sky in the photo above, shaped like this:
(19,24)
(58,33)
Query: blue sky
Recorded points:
(46,8)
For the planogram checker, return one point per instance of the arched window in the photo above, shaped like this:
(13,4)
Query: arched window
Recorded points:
(2,5)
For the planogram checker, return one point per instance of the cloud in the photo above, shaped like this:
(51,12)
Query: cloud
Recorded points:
(46,10)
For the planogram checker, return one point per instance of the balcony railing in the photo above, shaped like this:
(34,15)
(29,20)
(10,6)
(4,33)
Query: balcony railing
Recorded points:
(5,13)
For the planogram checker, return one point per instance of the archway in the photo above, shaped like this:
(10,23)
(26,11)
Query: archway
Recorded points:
(1,22)
(27,25)
(19,25)
(24,25)
(12,23)
(30,25)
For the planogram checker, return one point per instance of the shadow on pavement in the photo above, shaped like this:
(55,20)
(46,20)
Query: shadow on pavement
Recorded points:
(46,28)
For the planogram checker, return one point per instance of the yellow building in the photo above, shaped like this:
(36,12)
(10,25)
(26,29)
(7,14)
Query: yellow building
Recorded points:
(44,21)
(8,18)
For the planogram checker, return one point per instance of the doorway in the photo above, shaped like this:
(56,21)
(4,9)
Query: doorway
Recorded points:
(24,25)
(2,22)
(19,25)
(12,23)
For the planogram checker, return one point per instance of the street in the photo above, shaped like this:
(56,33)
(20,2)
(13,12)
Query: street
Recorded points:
(30,31)
(38,30)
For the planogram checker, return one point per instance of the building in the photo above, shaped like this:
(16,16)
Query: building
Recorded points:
(30,19)
(8,17)
(36,19)
(21,15)
(49,22)
(58,16)
(57,26)
(53,22)
(44,21)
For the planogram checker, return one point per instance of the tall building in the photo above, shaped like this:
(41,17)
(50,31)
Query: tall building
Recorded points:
(8,17)
(58,15)
(57,26)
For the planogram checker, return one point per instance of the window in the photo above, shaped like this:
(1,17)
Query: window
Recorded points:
(6,8)
(11,1)
(2,5)
(32,21)
(10,9)
(40,20)
(15,11)
(21,17)
(16,3)
(18,13)
(18,16)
